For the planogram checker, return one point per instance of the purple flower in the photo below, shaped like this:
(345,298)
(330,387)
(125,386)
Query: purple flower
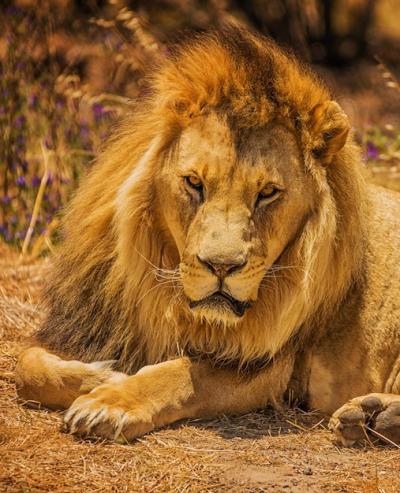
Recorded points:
(84,132)
(372,151)
(12,10)
(32,100)
(20,141)
(48,142)
(6,199)
(98,110)
(68,133)
(19,121)
(5,232)
(24,165)
(2,110)
(21,181)
(35,181)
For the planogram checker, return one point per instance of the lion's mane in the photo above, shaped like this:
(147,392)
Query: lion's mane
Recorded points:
(104,302)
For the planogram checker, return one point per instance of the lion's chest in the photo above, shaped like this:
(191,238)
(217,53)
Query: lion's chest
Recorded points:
(321,394)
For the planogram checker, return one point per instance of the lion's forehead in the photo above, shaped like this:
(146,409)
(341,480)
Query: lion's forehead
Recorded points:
(206,139)
(246,157)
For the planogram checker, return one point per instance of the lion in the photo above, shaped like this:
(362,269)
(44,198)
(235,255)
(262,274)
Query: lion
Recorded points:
(224,254)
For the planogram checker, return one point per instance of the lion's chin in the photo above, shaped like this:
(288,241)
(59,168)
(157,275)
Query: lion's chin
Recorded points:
(216,316)
(220,308)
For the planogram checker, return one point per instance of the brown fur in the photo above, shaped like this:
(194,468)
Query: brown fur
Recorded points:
(251,101)
(107,251)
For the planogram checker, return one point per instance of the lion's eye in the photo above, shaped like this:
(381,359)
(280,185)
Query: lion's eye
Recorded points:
(194,182)
(268,194)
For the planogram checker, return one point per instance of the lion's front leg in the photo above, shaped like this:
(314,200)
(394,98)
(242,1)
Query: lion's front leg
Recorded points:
(44,379)
(375,415)
(155,396)
(162,394)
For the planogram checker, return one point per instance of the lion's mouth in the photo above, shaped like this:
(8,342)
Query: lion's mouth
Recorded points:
(220,298)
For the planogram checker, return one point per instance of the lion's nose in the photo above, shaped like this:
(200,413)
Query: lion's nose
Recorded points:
(222,268)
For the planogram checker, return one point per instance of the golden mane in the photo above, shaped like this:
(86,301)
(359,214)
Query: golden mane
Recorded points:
(104,302)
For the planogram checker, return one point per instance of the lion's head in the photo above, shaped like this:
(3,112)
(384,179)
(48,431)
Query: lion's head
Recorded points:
(240,196)
(237,184)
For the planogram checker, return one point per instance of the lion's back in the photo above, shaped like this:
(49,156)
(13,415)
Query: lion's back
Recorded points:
(386,207)
(382,283)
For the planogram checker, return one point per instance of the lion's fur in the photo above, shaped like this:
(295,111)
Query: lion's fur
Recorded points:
(103,300)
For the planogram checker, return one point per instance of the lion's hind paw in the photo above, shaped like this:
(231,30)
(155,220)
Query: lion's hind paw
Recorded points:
(371,417)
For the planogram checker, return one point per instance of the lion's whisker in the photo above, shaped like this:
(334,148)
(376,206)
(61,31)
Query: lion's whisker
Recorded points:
(156,267)
(278,268)
(158,276)
(170,284)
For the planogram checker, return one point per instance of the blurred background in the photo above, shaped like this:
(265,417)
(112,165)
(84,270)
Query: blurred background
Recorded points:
(69,69)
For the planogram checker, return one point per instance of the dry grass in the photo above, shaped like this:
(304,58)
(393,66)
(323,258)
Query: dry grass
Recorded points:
(267,451)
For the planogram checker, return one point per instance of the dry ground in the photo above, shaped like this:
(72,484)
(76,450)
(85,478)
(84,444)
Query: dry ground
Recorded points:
(269,451)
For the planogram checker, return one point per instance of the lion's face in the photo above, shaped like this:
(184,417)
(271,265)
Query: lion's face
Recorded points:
(232,203)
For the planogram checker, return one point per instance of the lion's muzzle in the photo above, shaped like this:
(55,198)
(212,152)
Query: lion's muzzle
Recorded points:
(222,299)
(221,267)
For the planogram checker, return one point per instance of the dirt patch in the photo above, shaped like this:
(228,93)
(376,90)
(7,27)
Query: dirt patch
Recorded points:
(266,451)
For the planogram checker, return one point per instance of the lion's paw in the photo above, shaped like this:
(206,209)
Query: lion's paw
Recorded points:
(107,413)
(373,416)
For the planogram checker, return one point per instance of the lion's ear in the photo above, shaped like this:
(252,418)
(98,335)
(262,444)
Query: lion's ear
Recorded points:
(329,129)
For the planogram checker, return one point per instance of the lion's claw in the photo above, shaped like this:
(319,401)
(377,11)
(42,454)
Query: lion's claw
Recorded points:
(376,416)
(388,422)
(86,418)
(100,414)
